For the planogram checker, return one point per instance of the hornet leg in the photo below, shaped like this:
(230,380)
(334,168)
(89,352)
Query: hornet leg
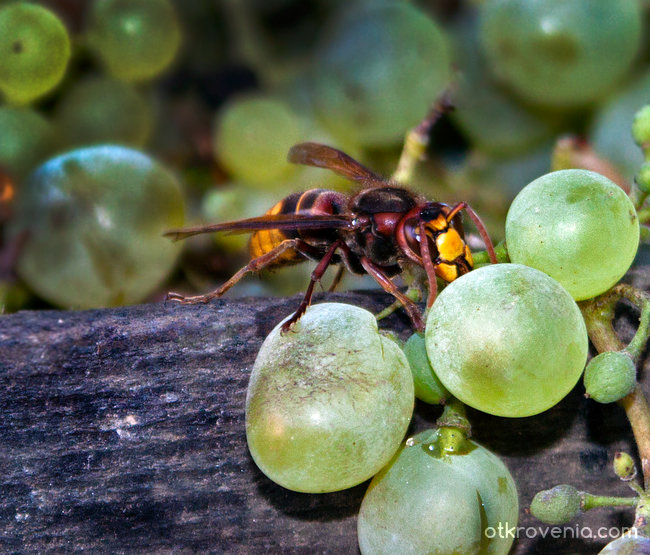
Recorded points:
(254,265)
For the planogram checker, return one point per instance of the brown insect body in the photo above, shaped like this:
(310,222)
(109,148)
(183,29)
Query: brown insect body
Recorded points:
(381,224)
(377,231)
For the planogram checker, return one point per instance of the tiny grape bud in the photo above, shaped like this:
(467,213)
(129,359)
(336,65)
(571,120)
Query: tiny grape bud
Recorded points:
(610,377)
(642,178)
(428,387)
(624,466)
(557,505)
(641,127)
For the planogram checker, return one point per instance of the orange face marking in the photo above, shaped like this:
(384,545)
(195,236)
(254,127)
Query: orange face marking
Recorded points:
(468,257)
(450,245)
(448,272)
(439,224)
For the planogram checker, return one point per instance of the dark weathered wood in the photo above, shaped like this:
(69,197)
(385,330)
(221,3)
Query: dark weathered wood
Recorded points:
(122,430)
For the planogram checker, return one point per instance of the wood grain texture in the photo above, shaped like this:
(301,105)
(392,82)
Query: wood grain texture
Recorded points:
(122,430)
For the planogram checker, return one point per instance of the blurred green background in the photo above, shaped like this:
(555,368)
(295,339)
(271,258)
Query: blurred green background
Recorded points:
(120,119)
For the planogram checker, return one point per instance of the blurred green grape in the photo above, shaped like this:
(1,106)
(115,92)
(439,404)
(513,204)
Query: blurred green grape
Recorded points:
(252,136)
(34,51)
(490,117)
(611,133)
(95,218)
(308,177)
(234,202)
(103,110)
(27,138)
(561,53)
(377,71)
(135,39)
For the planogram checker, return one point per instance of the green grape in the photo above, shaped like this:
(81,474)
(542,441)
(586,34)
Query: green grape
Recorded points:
(427,385)
(609,377)
(578,227)
(561,53)
(557,505)
(328,403)
(27,138)
(491,119)
(34,51)
(642,178)
(379,69)
(94,219)
(431,501)
(507,339)
(627,545)
(252,136)
(610,132)
(135,39)
(104,110)
(641,127)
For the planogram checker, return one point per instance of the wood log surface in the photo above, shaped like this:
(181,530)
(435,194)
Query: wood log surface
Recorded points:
(122,431)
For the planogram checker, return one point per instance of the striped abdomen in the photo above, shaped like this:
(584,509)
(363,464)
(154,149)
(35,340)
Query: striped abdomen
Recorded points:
(314,201)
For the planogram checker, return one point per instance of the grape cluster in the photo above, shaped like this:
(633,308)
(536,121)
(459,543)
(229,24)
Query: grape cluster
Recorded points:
(217,92)
(92,217)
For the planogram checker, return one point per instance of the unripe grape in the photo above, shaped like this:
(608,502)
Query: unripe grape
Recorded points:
(506,339)
(429,500)
(624,466)
(94,219)
(27,138)
(578,227)
(34,51)
(641,127)
(609,377)
(557,505)
(428,387)
(561,53)
(643,177)
(328,402)
(252,136)
(136,39)
(380,67)
(104,110)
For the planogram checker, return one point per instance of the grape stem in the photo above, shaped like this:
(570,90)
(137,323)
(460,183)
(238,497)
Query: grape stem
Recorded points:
(483,257)
(598,314)
(417,140)
(590,501)
(454,416)
(413,292)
